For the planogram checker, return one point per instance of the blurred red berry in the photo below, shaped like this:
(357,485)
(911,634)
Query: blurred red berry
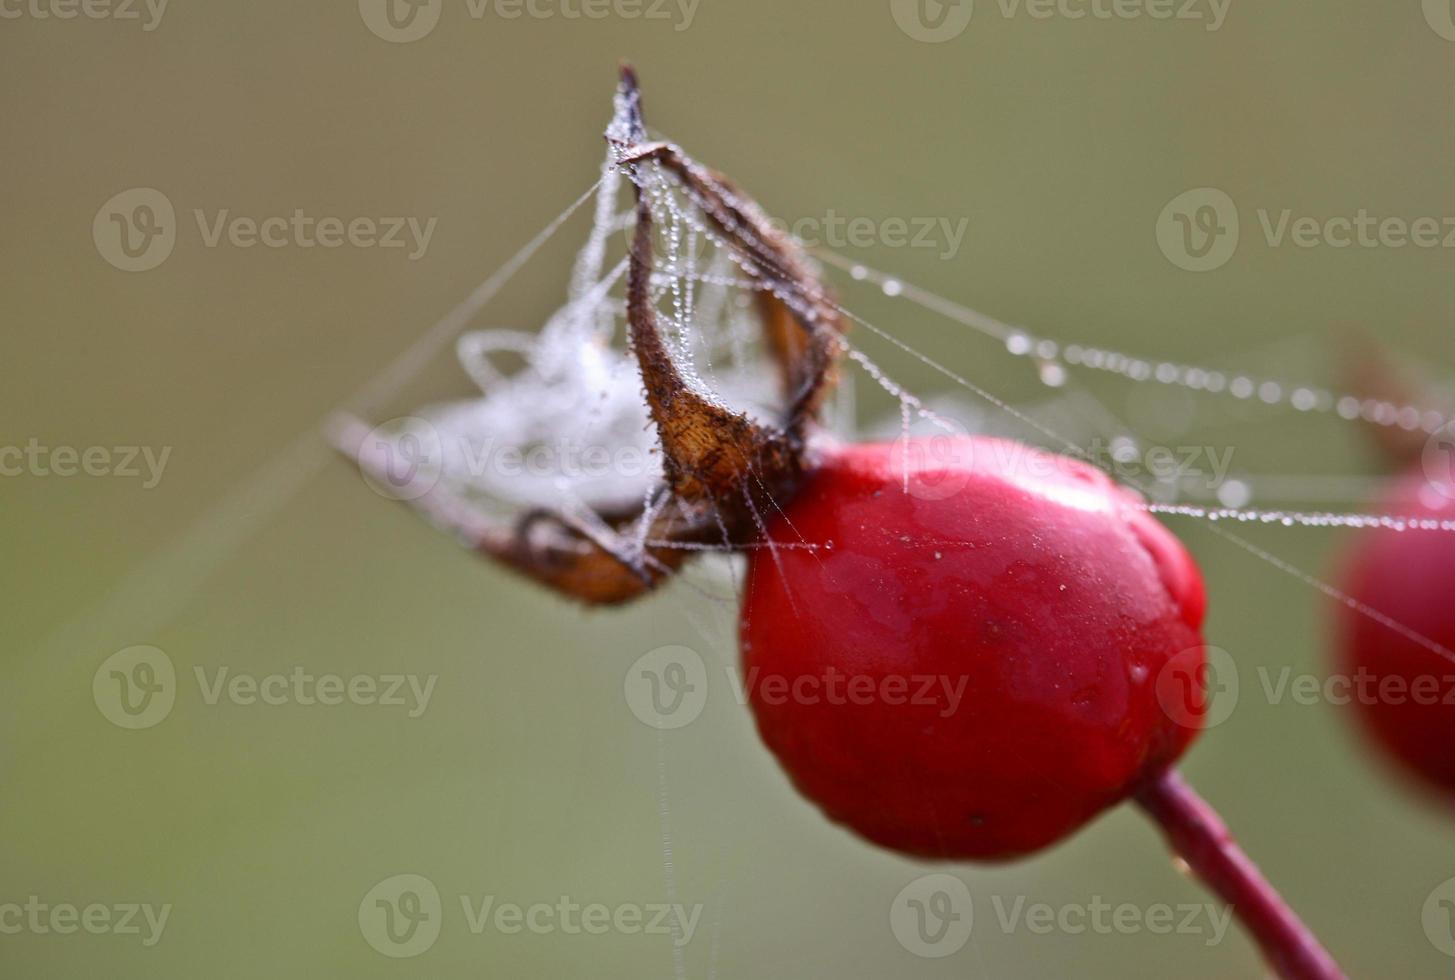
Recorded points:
(1403,687)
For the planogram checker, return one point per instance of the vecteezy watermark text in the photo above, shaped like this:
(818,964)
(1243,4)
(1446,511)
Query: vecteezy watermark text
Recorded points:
(667,688)
(573,918)
(941,464)
(148,13)
(937,21)
(411,456)
(137,688)
(837,231)
(934,916)
(403,21)
(1361,687)
(145,463)
(1200,230)
(840,689)
(1201,687)
(1131,462)
(1102,918)
(298,686)
(137,230)
(403,916)
(40,918)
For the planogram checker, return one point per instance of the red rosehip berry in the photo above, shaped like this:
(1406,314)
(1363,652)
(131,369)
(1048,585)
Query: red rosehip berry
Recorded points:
(968,669)
(1402,689)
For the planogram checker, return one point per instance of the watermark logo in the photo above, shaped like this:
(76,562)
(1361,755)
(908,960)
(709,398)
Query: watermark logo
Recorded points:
(406,458)
(936,21)
(136,230)
(932,916)
(401,21)
(1198,229)
(401,916)
(1439,460)
(935,465)
(932,21)
(667,687)
(1440,15)
(1438,917)
(1198,688)
(135,688)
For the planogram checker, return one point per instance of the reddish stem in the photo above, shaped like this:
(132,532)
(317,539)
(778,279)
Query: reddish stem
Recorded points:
(1200,838)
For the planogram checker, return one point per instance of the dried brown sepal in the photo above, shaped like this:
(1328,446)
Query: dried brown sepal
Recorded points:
(709,450)
(596,565)
(722,469)
(800,316)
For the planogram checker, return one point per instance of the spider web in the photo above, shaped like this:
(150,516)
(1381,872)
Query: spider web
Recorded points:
(537,434)
(569,426)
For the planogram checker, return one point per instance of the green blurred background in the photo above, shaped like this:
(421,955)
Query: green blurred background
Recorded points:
(528,778)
